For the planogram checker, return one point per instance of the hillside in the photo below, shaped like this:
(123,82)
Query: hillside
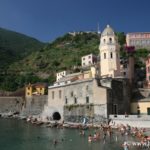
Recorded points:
(63,53)
(15,46)
(41,66)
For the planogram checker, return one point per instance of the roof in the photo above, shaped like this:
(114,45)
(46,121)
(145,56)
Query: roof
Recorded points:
(147,99)
(69,77)
(37,85)
(108,31)
(138,33)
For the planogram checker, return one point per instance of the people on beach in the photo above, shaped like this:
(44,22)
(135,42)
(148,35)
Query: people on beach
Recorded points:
(90,138)
(125,146)
(82,133)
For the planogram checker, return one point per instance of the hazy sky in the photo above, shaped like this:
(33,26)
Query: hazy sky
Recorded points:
(48,19)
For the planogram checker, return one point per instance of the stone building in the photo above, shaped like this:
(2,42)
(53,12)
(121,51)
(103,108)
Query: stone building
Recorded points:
(127,68)
(89,98)
(85,97)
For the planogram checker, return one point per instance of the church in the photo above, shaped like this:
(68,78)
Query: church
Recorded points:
(94,93)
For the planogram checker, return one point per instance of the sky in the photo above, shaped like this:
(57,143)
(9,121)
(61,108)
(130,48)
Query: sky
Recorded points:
(46,20)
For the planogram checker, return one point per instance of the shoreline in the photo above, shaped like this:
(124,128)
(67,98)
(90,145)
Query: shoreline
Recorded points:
(37,120)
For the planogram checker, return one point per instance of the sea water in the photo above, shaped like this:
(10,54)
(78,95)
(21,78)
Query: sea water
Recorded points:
(20,135)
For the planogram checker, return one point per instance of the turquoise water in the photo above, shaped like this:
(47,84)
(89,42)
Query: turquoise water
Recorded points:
(19,135)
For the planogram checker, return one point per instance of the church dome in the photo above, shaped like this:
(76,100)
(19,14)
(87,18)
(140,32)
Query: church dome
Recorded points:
(108,31)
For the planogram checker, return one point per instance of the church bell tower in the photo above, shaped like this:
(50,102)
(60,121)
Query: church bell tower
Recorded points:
(109,54)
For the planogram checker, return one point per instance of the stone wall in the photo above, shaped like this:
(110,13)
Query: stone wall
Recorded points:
(30,106)
(132,120)
(11,104)
(77,113)
(121,95)
(34,105)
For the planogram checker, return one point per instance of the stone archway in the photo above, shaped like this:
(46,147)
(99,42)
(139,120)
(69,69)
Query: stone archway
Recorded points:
(56,116)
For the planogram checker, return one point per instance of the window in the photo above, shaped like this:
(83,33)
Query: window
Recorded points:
(66,100)
(87,99)
(83,64)
(111,55)
(28,93)
(125,66)
(89,62)
(124,73)
(104,40)
(110,40)
(87,87)
(117,55)
(53,94)
(89,56)
(83,58)
(104,55)
(75,100)
(59,93)
(71,93)
(28,88)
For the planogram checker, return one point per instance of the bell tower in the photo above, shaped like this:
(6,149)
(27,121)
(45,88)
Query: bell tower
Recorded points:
(109,54)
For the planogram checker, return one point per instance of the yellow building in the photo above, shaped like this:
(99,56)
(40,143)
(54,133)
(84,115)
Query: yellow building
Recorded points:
(141,107)
(35,89)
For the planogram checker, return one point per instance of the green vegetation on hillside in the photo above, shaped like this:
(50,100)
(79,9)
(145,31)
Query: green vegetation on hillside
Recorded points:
(15,46)
(64,53)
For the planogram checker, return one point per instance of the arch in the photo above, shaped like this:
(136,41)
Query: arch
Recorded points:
(56,116)
(104,55)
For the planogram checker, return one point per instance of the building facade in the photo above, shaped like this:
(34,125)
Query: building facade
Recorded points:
(141,107)
(61,74)
(35,89)
(138,40)
(88,60)
(148,72)
(127,68)
(82,93)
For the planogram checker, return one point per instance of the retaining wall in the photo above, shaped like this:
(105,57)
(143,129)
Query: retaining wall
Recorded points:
(132,120)
(11,104)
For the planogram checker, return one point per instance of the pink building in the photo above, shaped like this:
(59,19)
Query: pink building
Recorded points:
(138,40)
(148,71)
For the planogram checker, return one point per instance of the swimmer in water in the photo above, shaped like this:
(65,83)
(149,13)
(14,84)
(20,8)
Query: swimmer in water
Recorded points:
(55,142)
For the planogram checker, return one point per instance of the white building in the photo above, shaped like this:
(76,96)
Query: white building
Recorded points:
(60,75)
(88,60)
(109,54)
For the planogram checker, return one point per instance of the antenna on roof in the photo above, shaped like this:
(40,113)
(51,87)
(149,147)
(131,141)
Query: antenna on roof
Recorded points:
(98,30)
